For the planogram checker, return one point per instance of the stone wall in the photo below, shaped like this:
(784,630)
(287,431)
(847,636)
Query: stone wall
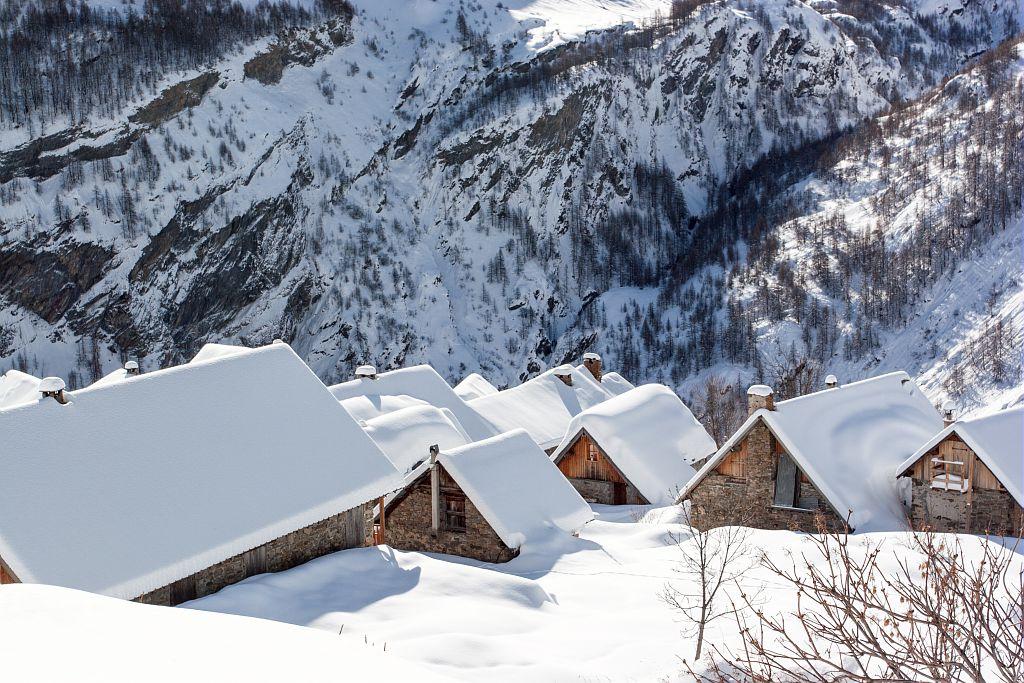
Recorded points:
(603,492)
(990,512)
(408,527)
(721,500)
(348,529)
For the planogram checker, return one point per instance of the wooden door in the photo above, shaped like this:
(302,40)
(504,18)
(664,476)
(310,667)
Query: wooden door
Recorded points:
(619,493)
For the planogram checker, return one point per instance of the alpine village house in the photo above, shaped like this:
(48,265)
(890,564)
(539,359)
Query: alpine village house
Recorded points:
(167,486)
(484,500)
(636,448)
(827,458)
(969,478)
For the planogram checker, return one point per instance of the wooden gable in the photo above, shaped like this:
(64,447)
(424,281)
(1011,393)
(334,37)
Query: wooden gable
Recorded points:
(585,459)
(952,458)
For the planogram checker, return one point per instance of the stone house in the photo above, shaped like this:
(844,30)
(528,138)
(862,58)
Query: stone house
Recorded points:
(167,486)
(637,448)
(484,500)
(828,456)
(406,437)
(969,478)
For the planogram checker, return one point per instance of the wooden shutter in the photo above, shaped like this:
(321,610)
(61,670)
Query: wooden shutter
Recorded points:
(255,561)
(785,481)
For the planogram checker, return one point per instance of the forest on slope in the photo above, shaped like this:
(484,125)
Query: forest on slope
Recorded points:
(708,194)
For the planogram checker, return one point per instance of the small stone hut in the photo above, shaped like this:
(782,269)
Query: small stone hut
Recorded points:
(406,437)
(637,448)
(484,500)
(969,478)
(827,455)
(167,486)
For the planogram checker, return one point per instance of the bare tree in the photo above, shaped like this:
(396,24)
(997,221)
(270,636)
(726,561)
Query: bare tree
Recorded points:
(711,560)
(938,616)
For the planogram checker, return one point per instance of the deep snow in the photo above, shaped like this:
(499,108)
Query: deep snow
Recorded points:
(588,609)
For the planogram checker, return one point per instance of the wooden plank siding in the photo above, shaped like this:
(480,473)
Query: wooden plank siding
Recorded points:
(584,460)
(953,449)
(735,464)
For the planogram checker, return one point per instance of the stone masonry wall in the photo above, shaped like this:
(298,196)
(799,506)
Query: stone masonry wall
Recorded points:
(344,530)
(408,527)
(720,500)
(603,492)
(990,512)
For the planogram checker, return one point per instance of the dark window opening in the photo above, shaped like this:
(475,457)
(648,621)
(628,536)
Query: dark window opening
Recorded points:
(183,590)
(455,512)
(787,484)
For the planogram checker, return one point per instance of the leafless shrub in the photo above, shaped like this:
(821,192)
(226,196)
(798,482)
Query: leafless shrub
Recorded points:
(940,615)
(711,560)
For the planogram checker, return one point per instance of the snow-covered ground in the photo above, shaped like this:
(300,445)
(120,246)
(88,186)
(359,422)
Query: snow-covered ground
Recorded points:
(58,634)
(580,609)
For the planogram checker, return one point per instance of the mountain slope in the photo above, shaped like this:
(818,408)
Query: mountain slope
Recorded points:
(480,186)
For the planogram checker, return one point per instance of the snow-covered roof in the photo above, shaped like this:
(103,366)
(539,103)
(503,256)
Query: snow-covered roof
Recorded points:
(474,386)
(997,438)
(615,383)
(850,441)
(213,351)
(114,377)
(133,485)
(650,436)
(543,406)
(406,387)
(17,387)
(516,487)
(406,435)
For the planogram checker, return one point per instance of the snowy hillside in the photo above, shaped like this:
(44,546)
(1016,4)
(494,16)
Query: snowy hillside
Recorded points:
(497,187)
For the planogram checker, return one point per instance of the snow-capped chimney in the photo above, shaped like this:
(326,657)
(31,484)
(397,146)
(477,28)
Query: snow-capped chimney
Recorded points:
(948,413)
(53,387)
(831,382)
(131,368)
(366,372)
(592,362)
(564,373)
(435,491)
(760,396)
(278,341)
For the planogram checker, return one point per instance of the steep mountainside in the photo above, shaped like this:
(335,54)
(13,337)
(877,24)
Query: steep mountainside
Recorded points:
(496,187)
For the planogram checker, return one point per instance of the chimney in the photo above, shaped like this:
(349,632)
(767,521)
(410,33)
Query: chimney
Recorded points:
(131,368)
(948,413)
(564,373)
(831,382)
(366,372)
(760,396)
(435,491)
(53,387)
(592,362)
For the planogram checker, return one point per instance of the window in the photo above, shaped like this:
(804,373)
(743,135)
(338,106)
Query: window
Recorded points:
(591,452)
(454,512)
